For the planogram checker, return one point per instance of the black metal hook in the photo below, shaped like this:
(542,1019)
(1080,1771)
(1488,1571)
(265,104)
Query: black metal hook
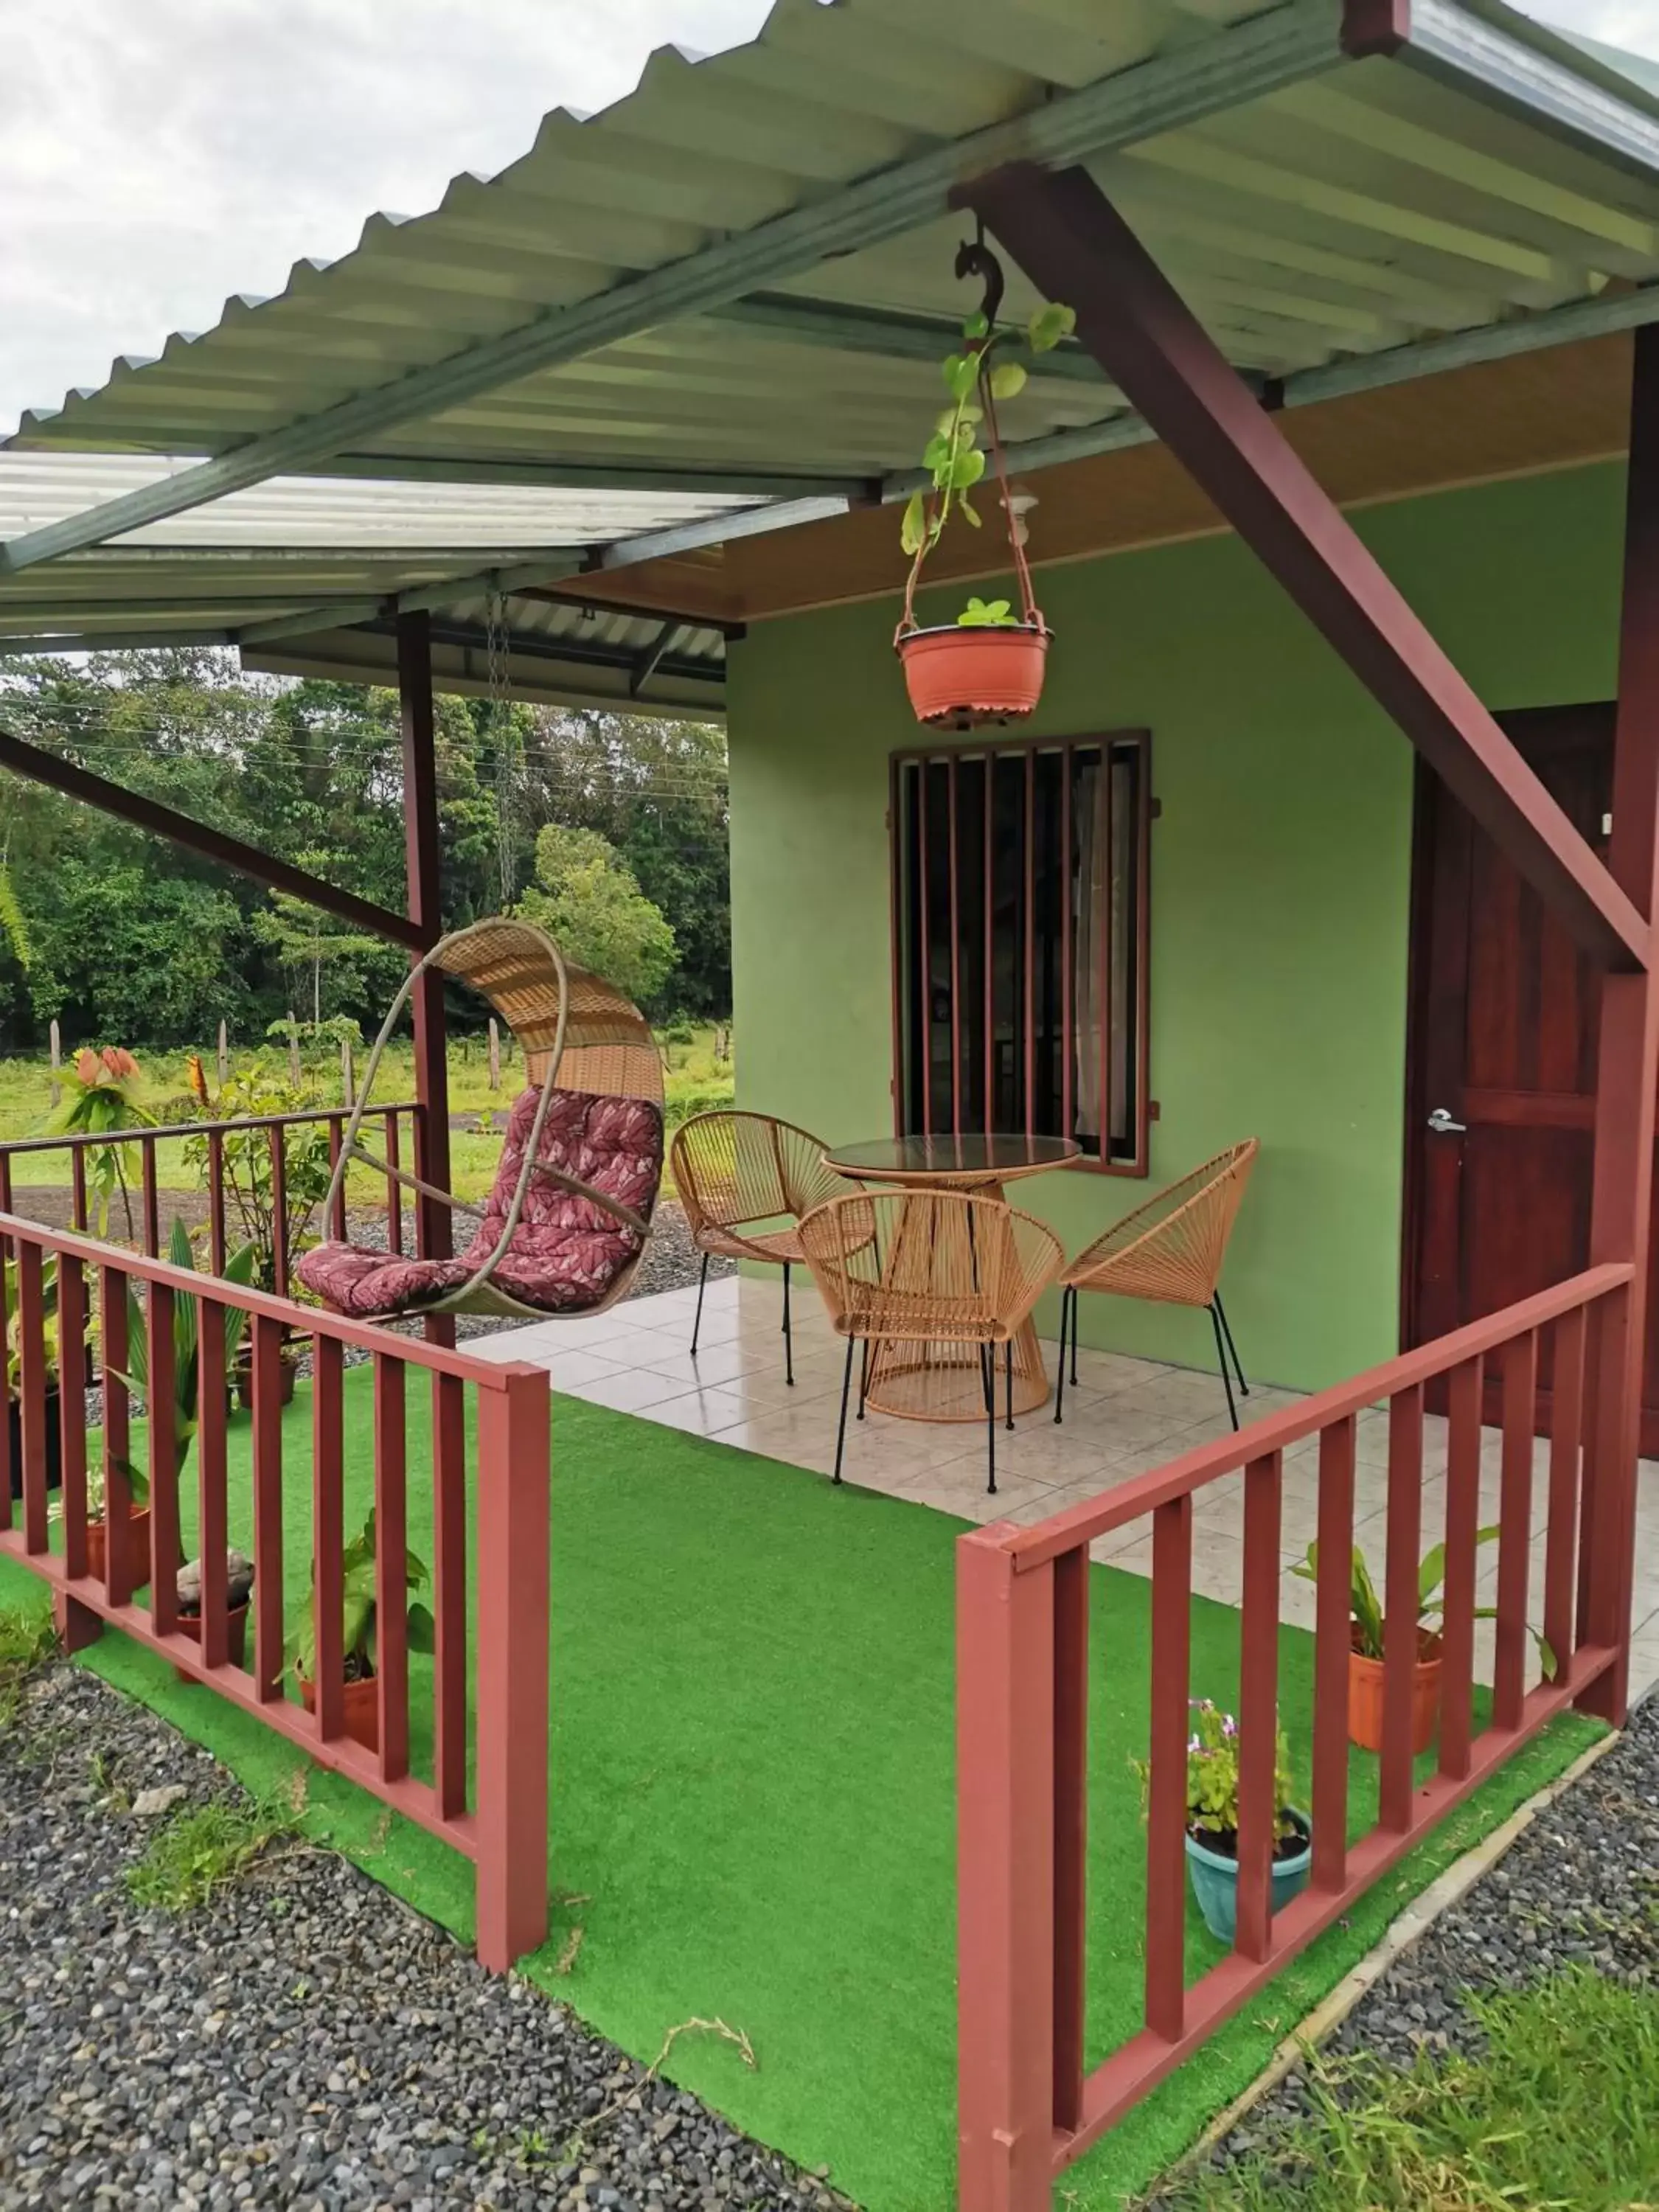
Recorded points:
(975,258)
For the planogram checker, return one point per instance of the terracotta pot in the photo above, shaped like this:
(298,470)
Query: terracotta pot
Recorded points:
(189,1624)
(1365,1696)
(959,677)
(362,1708)
(137,1542)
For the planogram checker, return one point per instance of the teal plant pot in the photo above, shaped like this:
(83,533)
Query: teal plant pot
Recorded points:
(1215,1880)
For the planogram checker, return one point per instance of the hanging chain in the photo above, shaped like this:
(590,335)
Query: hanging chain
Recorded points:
(507,744)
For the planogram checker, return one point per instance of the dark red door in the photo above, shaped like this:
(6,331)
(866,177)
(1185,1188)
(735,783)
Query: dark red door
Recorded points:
(1505,1019)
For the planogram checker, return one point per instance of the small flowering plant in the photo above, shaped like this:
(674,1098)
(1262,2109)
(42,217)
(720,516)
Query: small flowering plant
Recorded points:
(1212,1777)
(101,1095)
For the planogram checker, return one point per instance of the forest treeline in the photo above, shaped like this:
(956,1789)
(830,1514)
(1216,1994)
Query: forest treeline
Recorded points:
(125,939)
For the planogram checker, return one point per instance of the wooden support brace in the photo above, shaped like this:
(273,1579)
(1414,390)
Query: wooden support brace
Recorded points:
(1075,247)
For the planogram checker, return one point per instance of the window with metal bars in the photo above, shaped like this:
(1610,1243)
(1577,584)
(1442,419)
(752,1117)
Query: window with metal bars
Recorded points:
(1020,880)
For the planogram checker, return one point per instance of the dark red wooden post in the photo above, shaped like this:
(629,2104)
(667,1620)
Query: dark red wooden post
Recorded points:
(1075,247)
(1622,1201)
(513,1691)
(1006,1902)
(425,910)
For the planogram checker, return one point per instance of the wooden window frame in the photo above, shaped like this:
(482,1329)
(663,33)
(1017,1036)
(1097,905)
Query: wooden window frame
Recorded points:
(949,753)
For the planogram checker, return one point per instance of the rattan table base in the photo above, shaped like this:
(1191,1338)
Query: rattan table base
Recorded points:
(945,1381)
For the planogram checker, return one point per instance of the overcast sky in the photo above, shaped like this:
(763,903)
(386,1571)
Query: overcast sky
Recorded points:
(169,152)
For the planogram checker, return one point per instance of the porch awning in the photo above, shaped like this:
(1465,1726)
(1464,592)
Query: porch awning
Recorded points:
(734,284)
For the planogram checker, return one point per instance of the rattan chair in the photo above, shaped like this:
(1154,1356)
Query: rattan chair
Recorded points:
(745,1180)
(939,1269)
(1168,1250)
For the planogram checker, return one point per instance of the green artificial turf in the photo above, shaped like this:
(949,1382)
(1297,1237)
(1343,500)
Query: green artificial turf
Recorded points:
(752,1801)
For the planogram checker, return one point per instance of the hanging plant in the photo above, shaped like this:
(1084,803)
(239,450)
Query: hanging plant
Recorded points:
(988,665)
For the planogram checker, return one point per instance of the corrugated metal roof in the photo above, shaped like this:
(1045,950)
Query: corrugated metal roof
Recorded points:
(1348,212)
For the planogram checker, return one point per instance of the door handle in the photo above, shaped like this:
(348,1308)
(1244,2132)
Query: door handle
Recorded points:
(1442,1124)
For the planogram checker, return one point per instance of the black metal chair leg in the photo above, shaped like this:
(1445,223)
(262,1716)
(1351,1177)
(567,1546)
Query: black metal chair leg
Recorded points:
(988,1369)
(1008,1366)
(1066,1298)
(846,1387)
(1226,1330)
(788,1340)
(1076,1297)
(863,1377)
(703,1285)
(1220,1354)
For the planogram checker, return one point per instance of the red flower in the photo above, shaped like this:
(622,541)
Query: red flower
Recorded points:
(119,1063)
(86,1069)
(198,1076)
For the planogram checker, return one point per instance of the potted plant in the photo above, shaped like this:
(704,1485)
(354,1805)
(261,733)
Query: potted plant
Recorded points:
(239,1587)
(1213,1821)
(1367,1630)
(101,1094)
(357,1636)
(988,665)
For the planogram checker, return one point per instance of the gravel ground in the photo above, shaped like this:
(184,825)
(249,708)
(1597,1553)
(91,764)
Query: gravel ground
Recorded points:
(1579,1888)
(302,2040)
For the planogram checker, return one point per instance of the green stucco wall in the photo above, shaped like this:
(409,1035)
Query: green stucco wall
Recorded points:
(1281,877)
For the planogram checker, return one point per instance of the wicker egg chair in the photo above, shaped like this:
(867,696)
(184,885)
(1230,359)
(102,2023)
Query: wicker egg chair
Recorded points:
(594,1091)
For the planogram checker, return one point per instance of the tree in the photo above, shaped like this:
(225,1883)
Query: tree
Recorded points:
(589,901)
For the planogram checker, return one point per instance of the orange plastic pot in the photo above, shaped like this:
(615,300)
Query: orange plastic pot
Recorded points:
(136,1538)
(362,1708)
(959,677)
(1365,1696)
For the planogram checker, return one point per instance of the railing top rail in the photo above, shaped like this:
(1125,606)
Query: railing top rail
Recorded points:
(308,1320)
(76,1140)
(1043,1540)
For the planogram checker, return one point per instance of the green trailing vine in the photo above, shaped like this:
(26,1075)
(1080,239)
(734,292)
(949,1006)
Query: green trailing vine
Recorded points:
(987,369)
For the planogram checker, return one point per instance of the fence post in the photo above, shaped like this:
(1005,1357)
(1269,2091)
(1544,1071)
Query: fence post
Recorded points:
(494,1055)
(1004,1878)
(514,1635)
(348,1076)
(224,1056)
(57,1061)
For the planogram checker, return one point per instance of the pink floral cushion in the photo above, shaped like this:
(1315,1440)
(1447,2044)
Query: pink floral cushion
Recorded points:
(566,1252)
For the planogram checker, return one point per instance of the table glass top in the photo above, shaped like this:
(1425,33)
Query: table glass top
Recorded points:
(994,1157)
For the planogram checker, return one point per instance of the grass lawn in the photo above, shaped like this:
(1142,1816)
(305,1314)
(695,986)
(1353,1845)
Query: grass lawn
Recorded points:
(752,1794)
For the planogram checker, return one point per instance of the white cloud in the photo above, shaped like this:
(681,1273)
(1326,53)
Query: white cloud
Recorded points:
(173,151)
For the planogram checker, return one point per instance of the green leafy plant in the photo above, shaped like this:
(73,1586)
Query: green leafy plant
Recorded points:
(988,614)
(199,1851)
(359,1606)
(101,1094)
(26,1643)
(186,1352)
(13,1322)
(987,370)
(257,1090)
(1213,1768)
(1365,1606)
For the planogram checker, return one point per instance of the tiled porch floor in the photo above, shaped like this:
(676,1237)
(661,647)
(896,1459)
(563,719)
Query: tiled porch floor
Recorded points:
(1125,1417)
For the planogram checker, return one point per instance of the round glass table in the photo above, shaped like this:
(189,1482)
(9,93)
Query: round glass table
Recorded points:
(942,1382)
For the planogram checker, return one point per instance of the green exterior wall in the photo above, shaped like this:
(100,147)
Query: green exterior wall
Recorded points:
(1281,869)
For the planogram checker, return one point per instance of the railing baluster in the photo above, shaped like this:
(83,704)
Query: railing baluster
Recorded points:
(119,1562)
(78,1186)
(328,1534)
(212,1478)
(1395,1790)
(1332,1643)
(391,1544)
(1466,1390)
(161,1413)
(279,1212)
(216,1160)
(32,1345)
(1258,1705)
(1071,1826)
(1166,1804)
(152,1201)
(72,1409)
(1566,1438)
(394,1197)
(449,1591)
(267,1366)
(7,1320)
(1515,1523)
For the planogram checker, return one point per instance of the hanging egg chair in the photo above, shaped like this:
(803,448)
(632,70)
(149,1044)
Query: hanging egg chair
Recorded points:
(567,1219)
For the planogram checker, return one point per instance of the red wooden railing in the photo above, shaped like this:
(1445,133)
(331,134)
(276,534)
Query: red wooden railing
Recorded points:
(17,1153)
(1029,2105)
(499,1819)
